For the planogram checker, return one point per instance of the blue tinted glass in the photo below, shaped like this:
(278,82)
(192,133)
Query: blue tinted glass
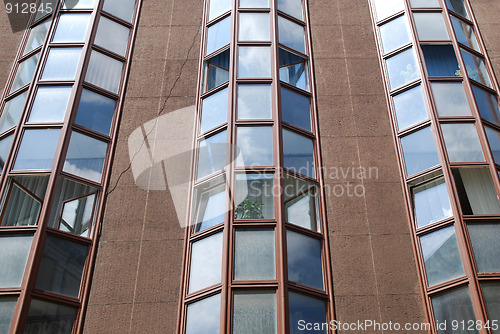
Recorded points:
(61,64)
(431,27)
(216,70)
(212,154)
(462,142)
(254,3)
(85,157)
(424,3)
(487,105)
(291,7)
(254,27)
(104,72)
(210,206)
(465,33)
(441,61)
(254,101)
(214,110)
(394,34)
(218,7)
(255,145)
(304,260)
(25,72)
(402,68)
(4,150)
(79,4)
(254,62)
(71,28)
(291,34)
(50,104)
(37,36)
(12,112)
(305,309)
(95,111)
(494,141)
(218,35)
(432,202)
(298,153)
(419,151)
(450,99)
(293,69)
(112,36)
(457,6)
(296,109)
(476,70)
(206,262)
(124,9)
(410,107)
(204,316)
(37,149)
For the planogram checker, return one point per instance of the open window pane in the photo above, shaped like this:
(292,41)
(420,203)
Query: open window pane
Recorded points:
(49,317)
(50,104)
(487,105)
(104,72)
(37,150)
(462,142)
(494,141)
(410,107)
(4,149)
(424,3)
(23,201)
(298,153)
(206,262)
(12,112)
(457,6)
(441,256)
(465,33)
(214,110)
(254,257)
(476,191)
(112,36)
(254,196)
(301,203)
(73,209)
(291,34)
(293,69)
(204,316)
(254,101)
(308,309)
(386,8)
(476,70)
(395,34)
(254,312)
(296,109)
(7,307)
(25,72)
(454,305)
(95,111)
(431,27)
(210,204)
(218,35)
(254,62)
(61,267)
(79,4)
(71,28)
(255,146)
(218,7)
(212,154)
(484,238)
(62,64)
(85,157)
(291,7)
(254,3)
(37,36)
(254,27)
(441,61)
(419,150)
(216,70)
(450,99)
(304,260)
(491,295)
(13,259)
(431,202)
(123,9)
(402,68)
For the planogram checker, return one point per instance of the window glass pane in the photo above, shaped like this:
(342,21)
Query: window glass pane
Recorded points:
(301,203)
(50,104)
(304,260)
(212,154)
(487,105)
(254,145)
(424,3)
(204,316)
(61,267)
(430,27)
(123,9)
(476,70)
(491,294)
(216,70)
(104,72)
(218,35)
(210,204)
(73,207)
(37,36)
(465,33)
(454,305)
(79,4)
(462,142)
(254,257)
(291,34)
(484,238)
(206,263)
(293,69)
(85,157)
(37,149)
(7,306)
(494,141)
(298,153)
(24,200)
(24,73)
(254,101)
(386,8)
(450,99)
(476,191)
(410,108)
(254,312)
(13,258)
(214,110)
(441,256)
(254,62)
(402,68)
(254,27)
(95,111)
(291,7)
(432,202)
(305,309)
(12,112)
(218,7)
(4,150)
(71,28)
(296,109)
(441,61)
(112,36)
(46,7)
(254,3)
(457,6)
(254,196)
(46,317)
(61,64)
(394,34)
(419,150)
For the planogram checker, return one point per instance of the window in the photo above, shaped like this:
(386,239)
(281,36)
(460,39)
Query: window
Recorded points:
(386,8)
(255,145)
(46,316)
(123,9)
(476,70)
(79,4)
(457,6)
(254,257)
(291,34)
(424,3)
(72,28)
(402,68)
(254,3)
(309,309)
(218,35)
(218,7)
(484,238)
(48,7)
(206,262)
(296,109)
(254,197)
(441,60)
(431,202)
(410,108)
(7,307)
(50,104)
(465,33)
(85,157)
(476,191)
(37,36)
(216,70)
(394,34)
(291,7)
(462,142)
(298,153)
(254,101)
(441,256)
(304,260)
(210,204)
(301,203)
(254,62)
(450,99)
(254,312)
(104,72)
(431,27)
(4,150)
(491,296)
(95,111)
(24,72)
(212,154)
(419,151)
(454,305)
(112,36)
(204,316)
(487,105)
(293,69)
(32,155)
(12,112)
(61,64)
(253,27)
(494,141)
(13,259)
(214,110)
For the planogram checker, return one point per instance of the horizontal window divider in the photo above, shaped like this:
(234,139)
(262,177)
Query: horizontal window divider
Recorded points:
(8,133)
(446,79)
(18,229)
(214,90)
(216,52)
(21,89)
(208,232)
(257,122)
(298,53)
(461,18)
(489,218)
(108,53)
(392,17)
(254,10)
(257,43)
(417,176)
(290,17)
(81,179)
(203,295)
(55,298)
(482,86)
(115,19)
(63,10)
(298,130)
(472,51)
(427,10)
(255,170)
(397,51)
(97,89)
(469,164)
(447,119)
(210,177)
(54,83)
(254,81)
(29,54)
(218,19)
(13,95)
(204,291)
(415,127)
(304,231)
(489,277)
(411,85)
(10,292)
(295,89)
(29,126)
(35,22)
(53,45)
(449,285)
(303,289)
(264,284)
(251,223)
(300,176)
(69,236)
(434,226)
(91,133)
(212,132)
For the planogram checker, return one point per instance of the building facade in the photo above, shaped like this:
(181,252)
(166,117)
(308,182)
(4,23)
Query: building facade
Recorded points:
(264,166)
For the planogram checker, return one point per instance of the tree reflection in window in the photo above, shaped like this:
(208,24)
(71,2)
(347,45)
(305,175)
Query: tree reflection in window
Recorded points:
(293,69)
